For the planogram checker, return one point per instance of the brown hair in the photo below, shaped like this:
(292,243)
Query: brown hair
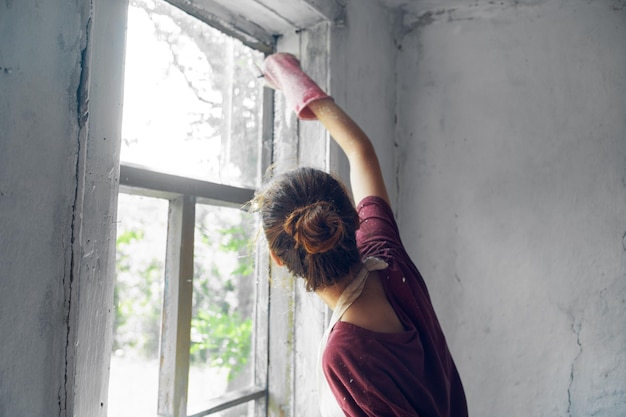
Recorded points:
(310,224)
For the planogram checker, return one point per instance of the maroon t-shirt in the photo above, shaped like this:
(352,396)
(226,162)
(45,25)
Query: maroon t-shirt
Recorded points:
(393,374)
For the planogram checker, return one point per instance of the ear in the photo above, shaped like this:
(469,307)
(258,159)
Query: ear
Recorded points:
(276,259)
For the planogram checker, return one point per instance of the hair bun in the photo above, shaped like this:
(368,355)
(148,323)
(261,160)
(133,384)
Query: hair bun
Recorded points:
(317,227)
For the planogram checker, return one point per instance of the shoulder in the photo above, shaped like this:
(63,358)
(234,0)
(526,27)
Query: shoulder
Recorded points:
(377,221)
(378,234)
(374,205)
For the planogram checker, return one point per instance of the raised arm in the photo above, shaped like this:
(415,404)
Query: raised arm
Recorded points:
(283,72)
(365,175)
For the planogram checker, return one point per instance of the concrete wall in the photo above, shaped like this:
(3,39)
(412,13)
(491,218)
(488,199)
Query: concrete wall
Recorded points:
(59,61)
(512,197)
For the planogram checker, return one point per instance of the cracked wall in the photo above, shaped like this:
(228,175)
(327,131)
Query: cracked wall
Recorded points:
(512,172)
(38,159)
(58,189)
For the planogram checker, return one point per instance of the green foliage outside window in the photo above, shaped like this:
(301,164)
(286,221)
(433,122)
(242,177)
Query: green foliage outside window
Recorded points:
(222,340)
(220,335)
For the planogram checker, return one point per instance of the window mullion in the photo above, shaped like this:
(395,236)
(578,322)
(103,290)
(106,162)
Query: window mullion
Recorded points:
(177,302)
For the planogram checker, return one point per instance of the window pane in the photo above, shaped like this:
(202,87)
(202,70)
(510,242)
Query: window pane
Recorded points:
(192,100)
(134,375)
(222,357)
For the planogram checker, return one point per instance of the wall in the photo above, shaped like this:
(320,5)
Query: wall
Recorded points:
(362,80)
(37,165)
(512,172)
(59,61)
(507,168)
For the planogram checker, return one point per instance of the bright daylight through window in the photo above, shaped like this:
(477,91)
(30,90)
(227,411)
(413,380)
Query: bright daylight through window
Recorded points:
(190,330)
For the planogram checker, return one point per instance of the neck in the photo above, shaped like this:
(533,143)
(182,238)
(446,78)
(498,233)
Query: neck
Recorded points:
(331,294)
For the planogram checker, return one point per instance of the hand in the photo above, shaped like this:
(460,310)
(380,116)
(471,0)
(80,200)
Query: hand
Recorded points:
(283,72)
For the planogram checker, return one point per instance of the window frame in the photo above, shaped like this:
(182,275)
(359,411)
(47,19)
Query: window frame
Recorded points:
(183,193)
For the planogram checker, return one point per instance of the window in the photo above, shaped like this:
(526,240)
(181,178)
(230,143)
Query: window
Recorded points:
(190,335)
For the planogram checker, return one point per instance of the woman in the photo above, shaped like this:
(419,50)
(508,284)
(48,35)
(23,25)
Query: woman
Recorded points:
(384,353)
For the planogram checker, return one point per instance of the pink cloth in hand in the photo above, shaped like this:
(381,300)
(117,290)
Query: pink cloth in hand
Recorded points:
(283,72)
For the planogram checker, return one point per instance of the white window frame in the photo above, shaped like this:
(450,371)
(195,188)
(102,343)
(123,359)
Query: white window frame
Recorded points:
(90,322)
(183,194)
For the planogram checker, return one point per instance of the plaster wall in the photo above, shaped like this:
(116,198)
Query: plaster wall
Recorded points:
(39,132)
(512,197)
(59,60)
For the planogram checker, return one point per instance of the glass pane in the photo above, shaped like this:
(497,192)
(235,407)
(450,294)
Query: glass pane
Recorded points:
(141,237)
(222,357)
(192,99)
